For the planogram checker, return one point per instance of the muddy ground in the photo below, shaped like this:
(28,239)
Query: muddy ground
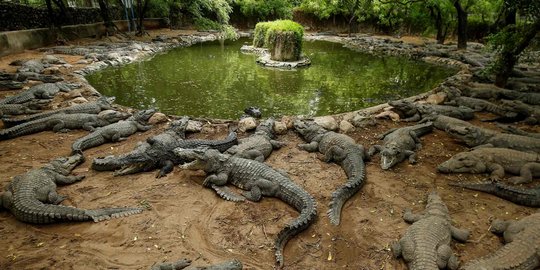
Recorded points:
(186,220)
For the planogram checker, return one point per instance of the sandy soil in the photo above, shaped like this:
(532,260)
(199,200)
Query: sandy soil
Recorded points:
(188,220)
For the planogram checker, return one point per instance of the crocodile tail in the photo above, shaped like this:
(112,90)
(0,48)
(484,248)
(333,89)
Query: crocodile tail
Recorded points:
(36,212)
(303,202)
(223,145)
(521,196)
(423,129)
(354,167)
(88,141)
(23,129)
(10,122)
(98,215)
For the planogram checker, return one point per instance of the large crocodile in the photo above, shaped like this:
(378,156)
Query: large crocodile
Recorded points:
(530,114)
(40,91)
(426,243)
(492,92)
(410,111)
(444,122)
(474,136)
(522,238)
(185,263)
(157,152)
(64,122)
(399,144)
(341,149)
(32,197)
(518,131)
(495,161)
(259,145)
(258,179)
(518,195)
(114,132)
(94,107)
(23,108)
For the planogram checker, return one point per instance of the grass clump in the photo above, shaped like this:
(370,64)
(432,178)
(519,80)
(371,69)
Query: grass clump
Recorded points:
(280,36)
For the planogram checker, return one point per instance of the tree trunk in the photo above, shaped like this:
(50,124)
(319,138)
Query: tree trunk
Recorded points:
(66,18)
(141,9)
(508,57)
(462,25)
(50,12)
(104,10)
(436,14)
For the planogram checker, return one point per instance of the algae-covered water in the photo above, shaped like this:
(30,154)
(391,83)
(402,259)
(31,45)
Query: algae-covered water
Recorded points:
(211,80)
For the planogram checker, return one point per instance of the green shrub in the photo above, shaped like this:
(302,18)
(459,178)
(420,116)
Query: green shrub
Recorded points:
(259,35)
(204,24)
(288,33)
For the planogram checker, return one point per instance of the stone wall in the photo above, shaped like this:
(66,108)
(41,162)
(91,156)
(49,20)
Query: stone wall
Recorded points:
(19,17)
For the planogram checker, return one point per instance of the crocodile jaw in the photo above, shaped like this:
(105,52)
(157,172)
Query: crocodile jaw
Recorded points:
(194,165)
(388,161)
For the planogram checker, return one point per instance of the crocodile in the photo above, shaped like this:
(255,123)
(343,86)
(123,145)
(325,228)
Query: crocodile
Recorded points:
(63,123)
(503,113)
(518,195)
(530,114)
(426,243)
(10,85)
(399,144)
(522,238)
(443,122)
(94,107)
(19,77)
(40,91)
(32,197)
(341,149)
(183,263)
(30,107)
(518,131)
(259,145)
(410,112)
(495,161)
(495,93)
(115,132)
(478,137)
(257,179)
(157,152)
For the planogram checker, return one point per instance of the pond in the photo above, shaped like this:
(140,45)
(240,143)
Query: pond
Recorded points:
(211,80)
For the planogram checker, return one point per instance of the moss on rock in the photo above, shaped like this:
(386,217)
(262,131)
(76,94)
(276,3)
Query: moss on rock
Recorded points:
(282,37)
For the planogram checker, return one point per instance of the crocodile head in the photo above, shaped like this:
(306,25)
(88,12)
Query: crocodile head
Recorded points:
(498,226)
(64,165)
(143,116)
(209,160)
(465,162)
(179,126)
(435,206)
(266,128)
(472,136)
(105,102)
(403,107)
(390,156)
(308,130)
(112,116)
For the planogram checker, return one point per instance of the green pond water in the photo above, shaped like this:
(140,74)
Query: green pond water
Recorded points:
(211,80)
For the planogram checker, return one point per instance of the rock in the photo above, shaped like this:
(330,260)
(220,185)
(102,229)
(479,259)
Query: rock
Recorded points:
(158,118)
(82,62)
(288,121)
(114,56)
(51,70)
(78,100)
(194,126)
(327,122)
(388,114)
(280,128)
(345,127)
(246,124)
(436,98)
(51,59)
(364,121)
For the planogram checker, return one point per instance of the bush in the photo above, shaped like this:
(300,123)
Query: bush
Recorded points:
(259,35)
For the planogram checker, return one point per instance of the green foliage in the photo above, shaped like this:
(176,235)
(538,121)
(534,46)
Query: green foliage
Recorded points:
(266,9)
(205,24)
(259,35)
(287,32)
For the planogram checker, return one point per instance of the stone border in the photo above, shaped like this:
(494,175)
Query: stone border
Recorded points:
(264,59)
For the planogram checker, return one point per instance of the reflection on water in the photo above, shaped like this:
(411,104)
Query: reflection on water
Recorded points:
(218,81)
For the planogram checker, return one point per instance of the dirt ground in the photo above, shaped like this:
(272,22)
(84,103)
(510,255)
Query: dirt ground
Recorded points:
(186,220)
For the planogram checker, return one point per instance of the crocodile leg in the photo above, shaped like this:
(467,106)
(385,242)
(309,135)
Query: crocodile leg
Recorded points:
(261,187)
(416,140)
(310,147)
(410,217)
(411,155)
(254,154)
(444,252)
(459,234)
(373,150)
(413,118)
(167,167)
(277,144)
(66,180)
(216,179)
(54,198)
(526,173)
(496,171)
(335,153)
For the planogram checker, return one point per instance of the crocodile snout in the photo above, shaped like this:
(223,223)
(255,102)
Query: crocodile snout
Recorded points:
(443,169)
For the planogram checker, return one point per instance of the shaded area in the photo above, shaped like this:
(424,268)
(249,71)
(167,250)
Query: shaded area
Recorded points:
(214,81)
